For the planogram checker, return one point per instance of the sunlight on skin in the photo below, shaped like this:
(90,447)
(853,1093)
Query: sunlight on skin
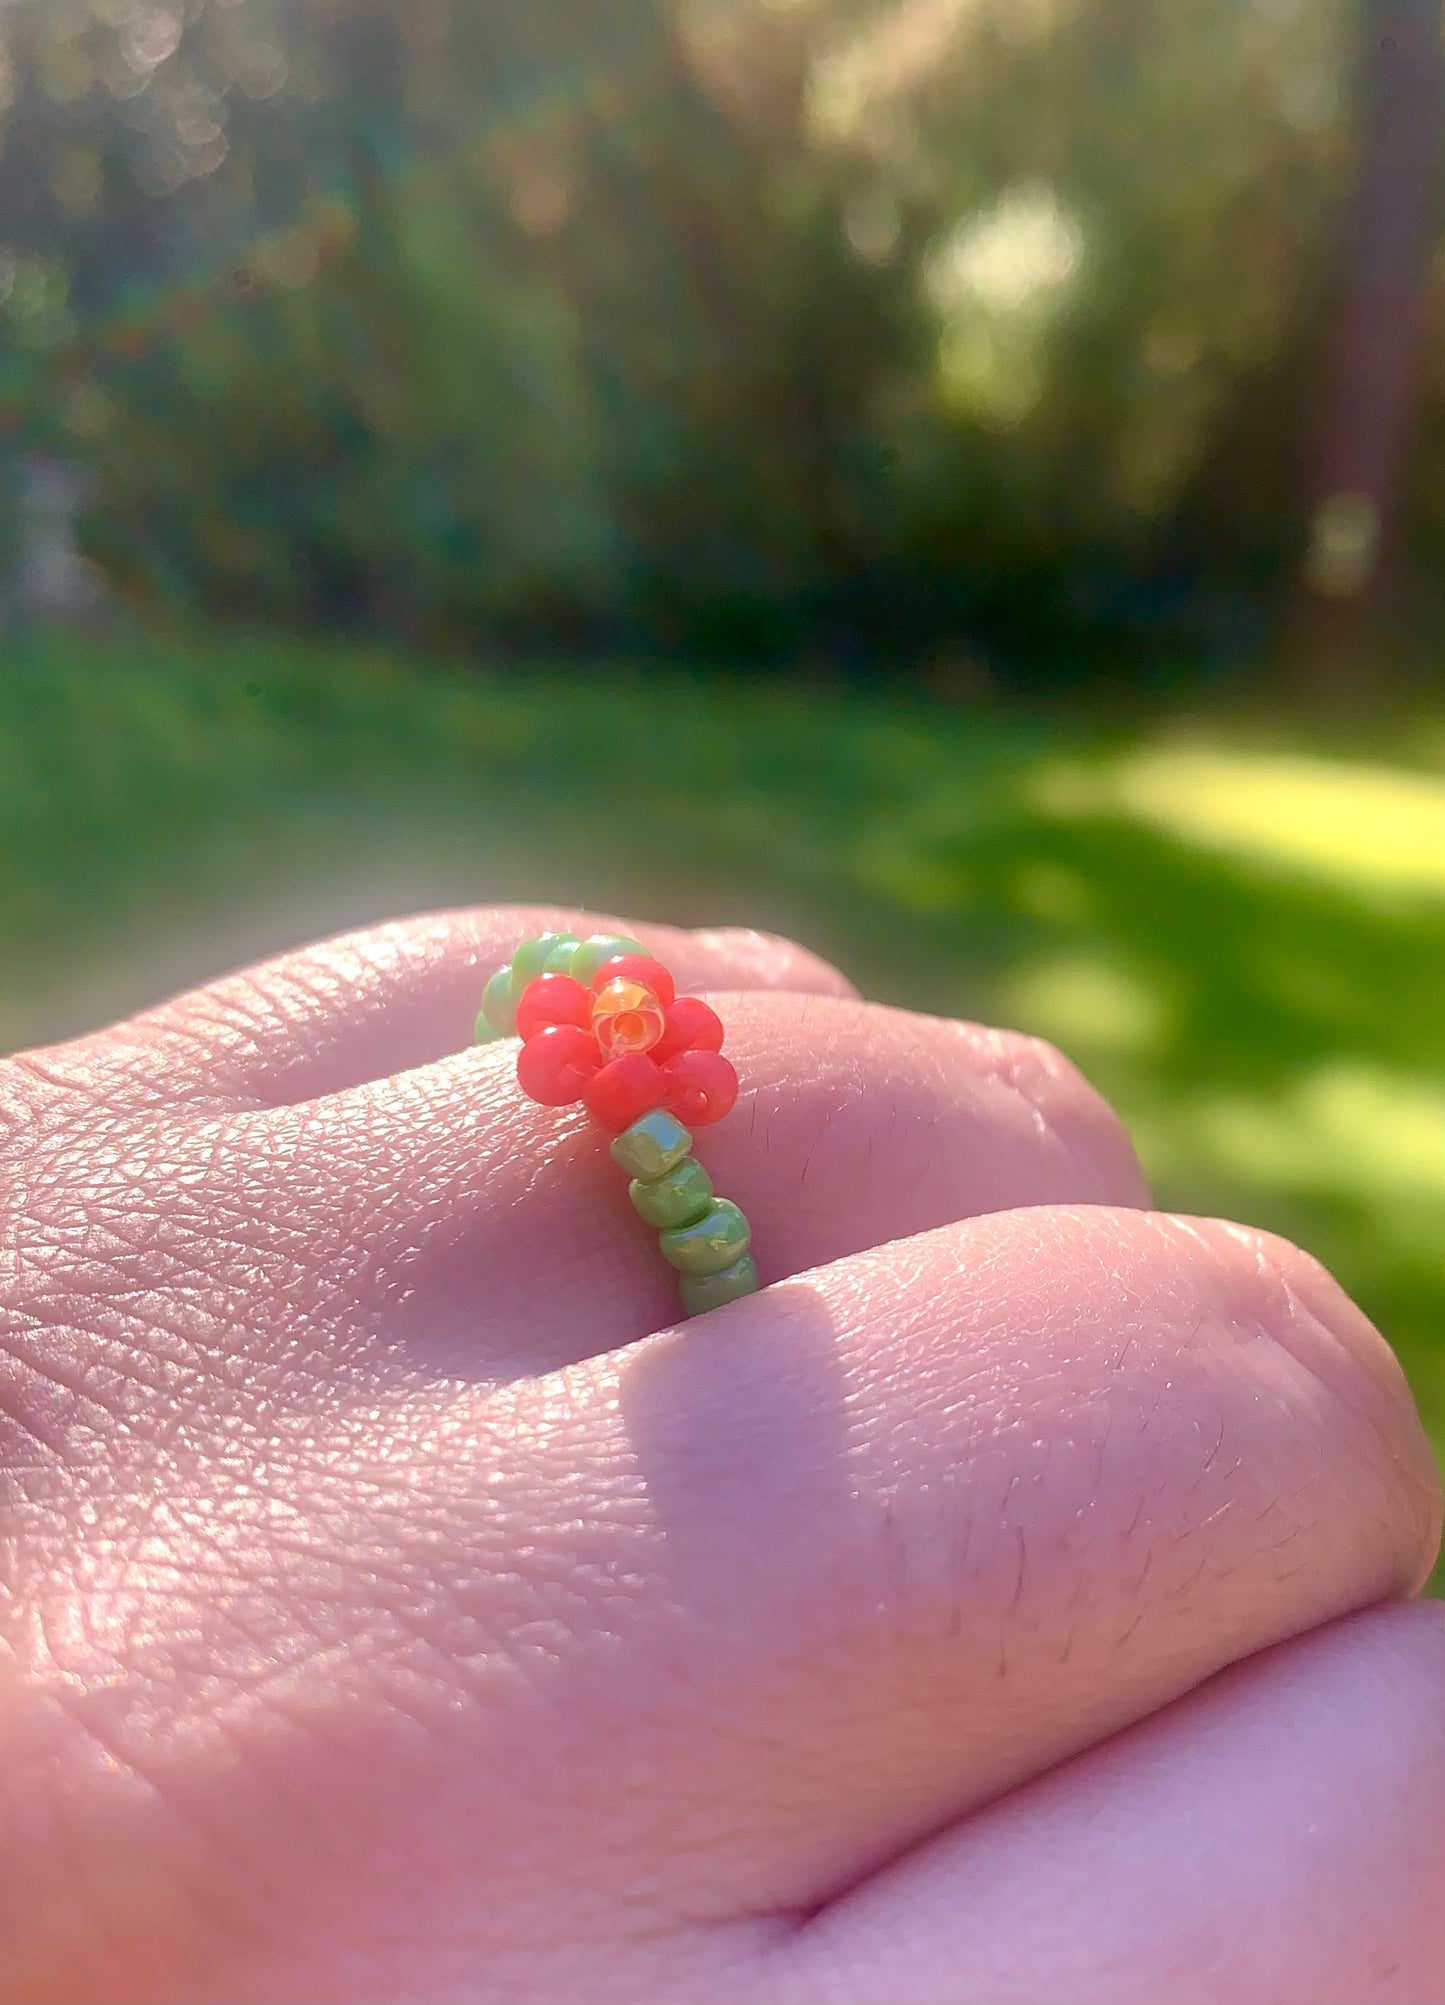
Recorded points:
(1244,950)
(480,1648)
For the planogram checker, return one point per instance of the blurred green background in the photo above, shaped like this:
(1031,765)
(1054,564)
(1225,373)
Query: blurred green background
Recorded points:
(960,481)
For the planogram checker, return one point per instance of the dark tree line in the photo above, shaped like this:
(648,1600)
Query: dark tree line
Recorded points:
(723,323)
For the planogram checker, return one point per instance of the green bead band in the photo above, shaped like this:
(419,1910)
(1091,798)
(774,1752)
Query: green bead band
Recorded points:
(701,1292)
(564,952)
(548,954)
(682,1197)
(652,1146)
(499,1007)
(717,1240)
(530,959)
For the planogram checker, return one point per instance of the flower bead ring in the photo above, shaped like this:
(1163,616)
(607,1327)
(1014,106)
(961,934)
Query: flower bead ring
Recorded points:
(602,1024)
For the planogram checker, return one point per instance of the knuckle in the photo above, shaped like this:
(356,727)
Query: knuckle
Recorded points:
(1340,1381)
(1075,1113)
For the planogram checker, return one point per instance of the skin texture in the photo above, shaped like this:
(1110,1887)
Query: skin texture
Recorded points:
(1010,1603)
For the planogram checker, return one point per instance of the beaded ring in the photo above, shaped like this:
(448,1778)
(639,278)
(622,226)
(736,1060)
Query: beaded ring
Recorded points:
(601,1023)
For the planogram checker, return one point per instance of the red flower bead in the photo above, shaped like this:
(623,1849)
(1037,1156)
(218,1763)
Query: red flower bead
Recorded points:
(553,999)
(556,1065)
(624,1091)
(701,1087)
(691,1026)
(640,968)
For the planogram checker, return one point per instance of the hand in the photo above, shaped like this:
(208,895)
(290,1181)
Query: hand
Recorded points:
(1008,1606)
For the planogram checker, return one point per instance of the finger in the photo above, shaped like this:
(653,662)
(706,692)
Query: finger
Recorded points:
(371,1003)
(439,1222)
(499,1230)
(1277,1835)
(904,1534)
(697,1634)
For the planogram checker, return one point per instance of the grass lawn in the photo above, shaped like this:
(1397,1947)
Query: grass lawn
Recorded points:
(1238,930)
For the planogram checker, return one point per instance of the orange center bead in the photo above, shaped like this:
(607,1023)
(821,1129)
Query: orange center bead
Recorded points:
(627,1017)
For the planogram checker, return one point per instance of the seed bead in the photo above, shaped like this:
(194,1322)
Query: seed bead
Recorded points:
(718,1239)
(557,1066)
(639,968)
(553,999)
(701,1087)
(680,1198)
(624,1091)
(652,1146)
(530,959)
(498,1008)
(689,1026)
(589,957)
(701,1292)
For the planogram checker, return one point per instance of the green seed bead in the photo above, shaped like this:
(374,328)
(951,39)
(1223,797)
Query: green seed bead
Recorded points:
(652,1146)
(530,959)
(718,1239)
(564,952)
(701,1292)
(679,1198)
(498,1006)
(601,947)
(485,1032)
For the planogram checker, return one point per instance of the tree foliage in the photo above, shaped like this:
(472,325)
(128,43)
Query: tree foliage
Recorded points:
(743,323)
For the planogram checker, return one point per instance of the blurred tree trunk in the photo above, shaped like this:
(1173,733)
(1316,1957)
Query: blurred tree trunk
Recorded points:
(1363,419)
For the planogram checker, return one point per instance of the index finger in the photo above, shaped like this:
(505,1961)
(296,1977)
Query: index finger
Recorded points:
(366,1004)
